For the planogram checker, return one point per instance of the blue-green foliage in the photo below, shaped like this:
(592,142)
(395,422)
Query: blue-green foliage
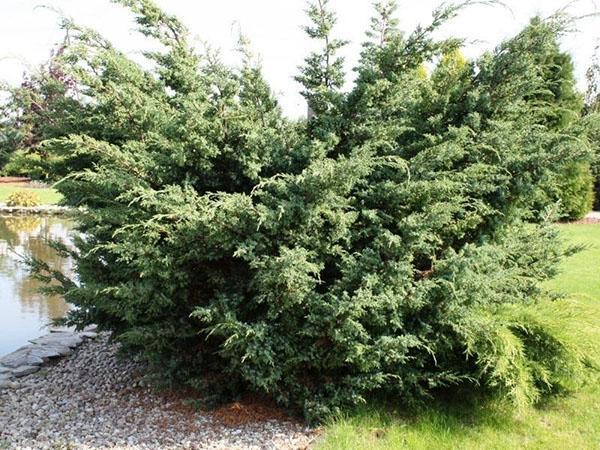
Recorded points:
(380,246)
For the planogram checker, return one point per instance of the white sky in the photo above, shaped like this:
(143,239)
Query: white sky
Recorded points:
(27,33)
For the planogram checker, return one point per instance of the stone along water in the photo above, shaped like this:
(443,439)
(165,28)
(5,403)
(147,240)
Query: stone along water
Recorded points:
(24,312)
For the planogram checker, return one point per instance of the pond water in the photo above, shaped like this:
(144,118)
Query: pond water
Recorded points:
(24,312)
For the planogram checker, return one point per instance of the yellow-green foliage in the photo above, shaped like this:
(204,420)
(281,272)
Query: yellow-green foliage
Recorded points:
(47,196)
(576,190)
(23,198)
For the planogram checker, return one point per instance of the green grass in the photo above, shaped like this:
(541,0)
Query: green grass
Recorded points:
(571,421)
(47,196)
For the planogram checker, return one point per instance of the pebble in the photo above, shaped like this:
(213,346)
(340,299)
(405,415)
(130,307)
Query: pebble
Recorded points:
(93,399)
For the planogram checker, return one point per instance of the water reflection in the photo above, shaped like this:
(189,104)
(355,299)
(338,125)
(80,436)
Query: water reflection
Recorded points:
(24,312)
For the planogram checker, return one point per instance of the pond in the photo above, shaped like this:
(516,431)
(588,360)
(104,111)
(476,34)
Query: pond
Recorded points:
(24,312)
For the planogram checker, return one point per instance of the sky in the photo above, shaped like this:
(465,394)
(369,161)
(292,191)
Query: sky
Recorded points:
(29,29)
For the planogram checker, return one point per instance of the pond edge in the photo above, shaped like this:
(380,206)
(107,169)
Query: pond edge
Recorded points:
(36,210)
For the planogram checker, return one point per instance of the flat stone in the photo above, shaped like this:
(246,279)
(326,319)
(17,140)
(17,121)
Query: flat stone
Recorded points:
(62,350)
(5,376)
(89,334)
(4,370)
(21,357)
(25,370)
(65,339)
(44,352)
(91,328)
(62,330)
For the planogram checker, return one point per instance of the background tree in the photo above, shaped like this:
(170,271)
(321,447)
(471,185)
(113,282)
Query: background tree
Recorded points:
(592,108)
(572,184)
(45,105)
(323,73)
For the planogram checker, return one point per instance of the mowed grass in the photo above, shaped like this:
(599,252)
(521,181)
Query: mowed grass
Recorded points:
(568,422)
(47,196)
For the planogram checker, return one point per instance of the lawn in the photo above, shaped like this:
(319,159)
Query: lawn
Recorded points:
(47,196)
(571,421)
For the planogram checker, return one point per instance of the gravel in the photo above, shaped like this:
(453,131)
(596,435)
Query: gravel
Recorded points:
(94,400)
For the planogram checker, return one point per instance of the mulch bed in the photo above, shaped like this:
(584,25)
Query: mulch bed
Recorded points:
(15,180)
(250,410)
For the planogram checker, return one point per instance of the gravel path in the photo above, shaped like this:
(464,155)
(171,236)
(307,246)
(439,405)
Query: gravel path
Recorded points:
(594,215)
(92,400)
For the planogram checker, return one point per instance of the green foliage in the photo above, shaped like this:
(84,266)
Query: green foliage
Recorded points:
(23,198)
(382,246)
(575,186)
(595,169)
(592,109)
(323,73)
(25,163)
(572,185)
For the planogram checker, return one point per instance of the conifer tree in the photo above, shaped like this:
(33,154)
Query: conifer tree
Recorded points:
(592,108)
(572,184)
(322,75)
(382,247)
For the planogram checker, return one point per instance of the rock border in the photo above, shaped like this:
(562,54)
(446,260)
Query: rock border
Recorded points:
(35,210)
(31,357)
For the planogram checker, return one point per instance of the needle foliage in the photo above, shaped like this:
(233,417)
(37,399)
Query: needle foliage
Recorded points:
(393,243)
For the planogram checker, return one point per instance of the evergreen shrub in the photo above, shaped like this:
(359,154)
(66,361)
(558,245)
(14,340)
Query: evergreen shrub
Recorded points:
(383,246)
(23,198)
